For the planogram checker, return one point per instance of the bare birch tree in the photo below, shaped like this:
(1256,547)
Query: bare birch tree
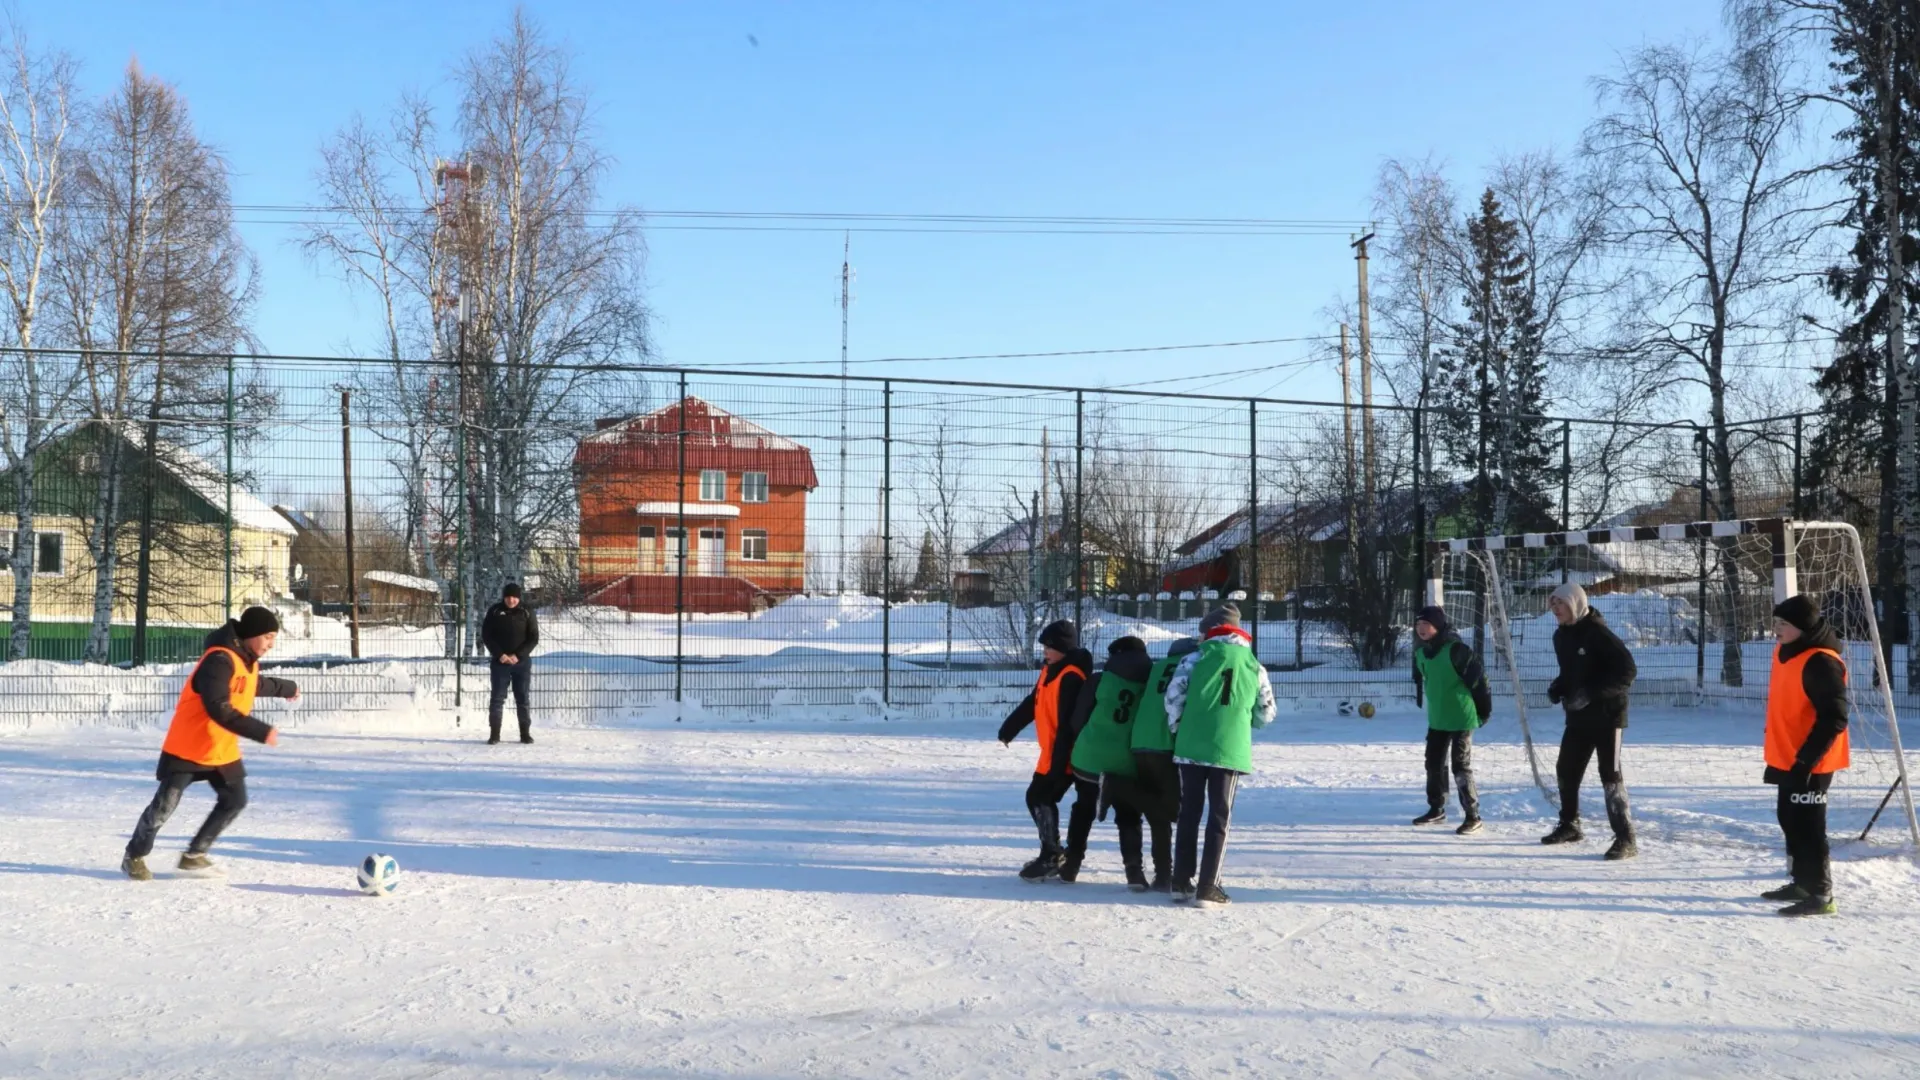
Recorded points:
(36,391)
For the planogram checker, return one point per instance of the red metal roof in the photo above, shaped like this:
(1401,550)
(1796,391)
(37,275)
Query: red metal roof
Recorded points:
(715,439)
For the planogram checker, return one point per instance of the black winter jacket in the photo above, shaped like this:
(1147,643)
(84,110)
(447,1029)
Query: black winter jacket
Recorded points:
(510,631)
(1825,681)
(1070,686)
(1596,671)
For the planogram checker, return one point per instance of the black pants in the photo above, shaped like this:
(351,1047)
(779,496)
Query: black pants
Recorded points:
(1126,819)
(1043,805)
(230,789)
(1154,792)
(1577,747)
(1459,746)
(518,677)
(1204,790)
(1803,820)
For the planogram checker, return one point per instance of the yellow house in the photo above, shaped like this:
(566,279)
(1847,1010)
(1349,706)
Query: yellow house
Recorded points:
(189,528)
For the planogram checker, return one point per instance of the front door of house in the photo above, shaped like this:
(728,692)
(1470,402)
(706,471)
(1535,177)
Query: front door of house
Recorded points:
(713,552)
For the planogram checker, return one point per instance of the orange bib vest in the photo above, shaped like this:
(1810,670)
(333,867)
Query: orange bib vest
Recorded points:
(194,735)
(1790,715)
(1046,711)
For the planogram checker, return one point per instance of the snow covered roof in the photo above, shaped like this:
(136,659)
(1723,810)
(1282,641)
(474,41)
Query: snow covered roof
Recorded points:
(249,511)
(402,581)
(1018,536)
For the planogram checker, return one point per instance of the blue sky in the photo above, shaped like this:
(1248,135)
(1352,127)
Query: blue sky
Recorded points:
(1273,110)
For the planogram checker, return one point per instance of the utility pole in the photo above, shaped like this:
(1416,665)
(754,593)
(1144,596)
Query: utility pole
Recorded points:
(1346,419)
(1366,373)
(846,298)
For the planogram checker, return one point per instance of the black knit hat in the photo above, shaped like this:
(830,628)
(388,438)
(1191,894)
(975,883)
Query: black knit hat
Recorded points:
(1435,616)
(256,621)
(1125,644)
(1061,636)
(512,588)
(1799,612)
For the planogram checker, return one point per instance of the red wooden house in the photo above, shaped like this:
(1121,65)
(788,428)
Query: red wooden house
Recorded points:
(736,489)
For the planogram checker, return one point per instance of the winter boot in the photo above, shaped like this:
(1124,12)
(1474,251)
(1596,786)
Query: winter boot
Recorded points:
(1433,816)
(1182,892)
(196,862)
(1567,832)
(526,736)
(1212,896)
(1068,871)
(1137,879)
(1041,867)
(1812,905)
(1469,827)
(493,739)
(135,867)
(1623,848)
(1787,893)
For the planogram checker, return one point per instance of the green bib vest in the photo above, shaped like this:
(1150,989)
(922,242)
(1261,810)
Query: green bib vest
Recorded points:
(1150,719)
(1216,726)
(1106,743)
(1449,702)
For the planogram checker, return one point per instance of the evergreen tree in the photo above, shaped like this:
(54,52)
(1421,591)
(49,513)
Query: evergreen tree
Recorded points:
(1489,389)
(1877,79)
(926,572)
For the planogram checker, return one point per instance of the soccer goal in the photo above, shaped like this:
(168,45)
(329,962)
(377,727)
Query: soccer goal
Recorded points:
(1695,604)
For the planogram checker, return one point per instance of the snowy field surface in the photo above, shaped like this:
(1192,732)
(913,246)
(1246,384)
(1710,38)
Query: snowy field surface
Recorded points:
(838,899)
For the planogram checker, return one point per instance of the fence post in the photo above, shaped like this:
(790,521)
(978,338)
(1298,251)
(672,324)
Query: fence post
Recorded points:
(1700,631)
(460,547)
(1419,513)
(680,552)
(228,529)
(1253,520)
(346,476)
(1566,492)
(1079,534)
(1799,507)
(886,543)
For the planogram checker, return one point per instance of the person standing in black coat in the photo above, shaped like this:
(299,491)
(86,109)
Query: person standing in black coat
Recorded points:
(1596,671)
(511,633)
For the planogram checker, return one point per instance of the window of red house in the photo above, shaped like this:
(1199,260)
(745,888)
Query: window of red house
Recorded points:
(753,487)
(753,544)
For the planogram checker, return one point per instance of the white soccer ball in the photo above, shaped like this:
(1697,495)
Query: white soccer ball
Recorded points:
(379,875)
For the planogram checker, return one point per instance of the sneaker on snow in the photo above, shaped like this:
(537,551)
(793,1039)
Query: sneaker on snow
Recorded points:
(1040,868)
(1564,833)
(1136,880)
(197,862)
(1623,848)
(1182,892)
(1812,905)
(1788,892)
(525,738)
(136,868)
(1069,871)
(1212,896)
(493,739)
(1161,883)
(1468,827)
(1431,817)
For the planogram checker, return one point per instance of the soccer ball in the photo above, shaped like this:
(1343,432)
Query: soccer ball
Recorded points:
(379,875)
(1366,710)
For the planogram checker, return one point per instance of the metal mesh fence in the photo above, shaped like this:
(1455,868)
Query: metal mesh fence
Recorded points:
(750,542)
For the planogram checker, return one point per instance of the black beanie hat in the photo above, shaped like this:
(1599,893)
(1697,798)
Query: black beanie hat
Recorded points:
(1800,612)
(1061,636)
(1126,644)
(256,621)
(512,588)
(1435,617)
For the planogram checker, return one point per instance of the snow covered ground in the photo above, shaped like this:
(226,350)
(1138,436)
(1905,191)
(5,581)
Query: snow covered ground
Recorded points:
(837,899)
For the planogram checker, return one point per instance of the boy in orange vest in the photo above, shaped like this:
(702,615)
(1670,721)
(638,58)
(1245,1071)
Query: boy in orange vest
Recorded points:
(1048,708)
(1806,745)
(203,743)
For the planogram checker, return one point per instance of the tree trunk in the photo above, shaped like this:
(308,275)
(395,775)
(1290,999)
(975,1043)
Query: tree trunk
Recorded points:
(25,549)
(103,544)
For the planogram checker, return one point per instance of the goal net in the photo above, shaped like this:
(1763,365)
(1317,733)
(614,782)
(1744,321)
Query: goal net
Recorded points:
(1695,604)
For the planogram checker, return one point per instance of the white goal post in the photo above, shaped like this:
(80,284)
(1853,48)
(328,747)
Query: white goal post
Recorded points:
(1694,601)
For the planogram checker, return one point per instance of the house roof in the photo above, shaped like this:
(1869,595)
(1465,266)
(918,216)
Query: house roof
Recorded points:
(1019,536)
(402,581)
(199,475)
(714,439)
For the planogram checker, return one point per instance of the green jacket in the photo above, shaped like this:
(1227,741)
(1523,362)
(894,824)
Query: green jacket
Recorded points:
(1104,739)
(1150,731)
(1456,687)
(1223,694)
